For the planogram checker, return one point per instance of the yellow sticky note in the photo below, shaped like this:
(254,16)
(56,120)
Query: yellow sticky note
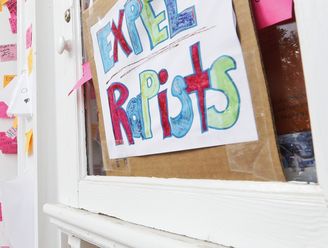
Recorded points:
(29,142)
(2,2)
(7,79)
(15,123)
(30,61)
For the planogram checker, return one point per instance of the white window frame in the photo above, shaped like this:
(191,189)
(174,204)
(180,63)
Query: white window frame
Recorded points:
(233,213)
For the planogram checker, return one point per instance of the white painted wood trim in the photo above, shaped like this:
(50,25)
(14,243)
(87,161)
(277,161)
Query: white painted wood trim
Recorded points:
(69,115)
(238,214)
(77,39)
(107,232)
(208,184)
(74,242)
(312,25)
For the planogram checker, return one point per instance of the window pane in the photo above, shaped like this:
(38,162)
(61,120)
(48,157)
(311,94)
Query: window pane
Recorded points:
(282,62)
(283,65)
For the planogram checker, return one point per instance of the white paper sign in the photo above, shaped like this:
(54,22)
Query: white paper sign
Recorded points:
(21,101)
(171,77)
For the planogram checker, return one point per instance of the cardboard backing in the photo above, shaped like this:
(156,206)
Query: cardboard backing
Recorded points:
(246,161)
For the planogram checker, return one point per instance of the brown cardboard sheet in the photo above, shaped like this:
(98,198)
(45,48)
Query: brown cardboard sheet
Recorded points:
(246,161)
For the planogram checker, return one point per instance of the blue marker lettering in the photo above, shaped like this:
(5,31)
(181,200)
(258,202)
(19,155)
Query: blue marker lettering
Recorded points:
(105,47)
(181,124)
(132,10)
(180,21)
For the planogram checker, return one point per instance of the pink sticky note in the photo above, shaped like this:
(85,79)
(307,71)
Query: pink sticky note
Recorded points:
(3,136)
(12,7)
(8,53)
(3,111)
(86,76)
(5,140)
(9,149)
(29,37)
(270,12)
(0,212)
(13,24)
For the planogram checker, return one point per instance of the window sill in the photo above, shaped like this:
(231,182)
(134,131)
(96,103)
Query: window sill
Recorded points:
(105,231)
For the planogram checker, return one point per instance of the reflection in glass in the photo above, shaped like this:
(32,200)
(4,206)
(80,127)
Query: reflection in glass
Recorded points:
(283,64)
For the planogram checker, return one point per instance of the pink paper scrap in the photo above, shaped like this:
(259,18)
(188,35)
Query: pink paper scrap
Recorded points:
(29,37)
(8,52)
(9,149)
(3,111)
(12,7)
(5,145)
(13,24)
(2,134)
(0,212)
(270,12)
(86,76)
(8,145)
(5,140)
(8,142)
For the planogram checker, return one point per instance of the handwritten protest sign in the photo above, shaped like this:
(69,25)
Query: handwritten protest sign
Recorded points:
(171,77)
